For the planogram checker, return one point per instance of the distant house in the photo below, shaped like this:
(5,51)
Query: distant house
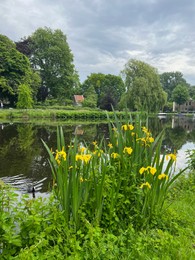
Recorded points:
(78,99)
(188,106)
(78,130)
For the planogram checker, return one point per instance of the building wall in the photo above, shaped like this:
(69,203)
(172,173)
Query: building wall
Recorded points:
(188,106)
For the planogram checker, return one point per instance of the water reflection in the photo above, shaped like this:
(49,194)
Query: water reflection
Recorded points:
(24,161)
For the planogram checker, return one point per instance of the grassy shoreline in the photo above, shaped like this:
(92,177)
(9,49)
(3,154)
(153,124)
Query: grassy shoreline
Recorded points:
(65,113)
(56,114)
(171,237)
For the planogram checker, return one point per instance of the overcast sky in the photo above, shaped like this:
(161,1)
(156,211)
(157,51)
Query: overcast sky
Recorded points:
(104,34)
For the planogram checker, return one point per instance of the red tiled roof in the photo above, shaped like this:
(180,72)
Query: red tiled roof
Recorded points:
(78,98)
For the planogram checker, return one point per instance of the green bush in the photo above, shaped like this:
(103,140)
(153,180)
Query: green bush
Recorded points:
(36,229)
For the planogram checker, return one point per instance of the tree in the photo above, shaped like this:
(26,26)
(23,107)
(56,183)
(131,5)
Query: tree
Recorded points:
(113,89)
(34,83)
(24,46)
(170,80)
(24,97)
(144,91)
(108,88)
(14,70)
(42,93)
(180,94)
(90,98)
(94,80)
(192,92)
(50,54)
(108,102)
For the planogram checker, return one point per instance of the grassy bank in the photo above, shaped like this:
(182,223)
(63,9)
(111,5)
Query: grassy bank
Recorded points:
(170,237)
(55,114)
(63,113)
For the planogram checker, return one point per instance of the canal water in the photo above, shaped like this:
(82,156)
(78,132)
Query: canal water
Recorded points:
(24,160)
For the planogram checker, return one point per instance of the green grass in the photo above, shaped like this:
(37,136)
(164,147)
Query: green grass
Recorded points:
(54,114)
(171,237)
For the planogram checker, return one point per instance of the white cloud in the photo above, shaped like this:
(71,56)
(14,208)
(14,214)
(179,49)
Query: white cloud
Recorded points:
(103,35)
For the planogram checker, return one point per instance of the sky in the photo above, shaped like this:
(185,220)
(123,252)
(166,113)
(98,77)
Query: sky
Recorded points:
(104,34)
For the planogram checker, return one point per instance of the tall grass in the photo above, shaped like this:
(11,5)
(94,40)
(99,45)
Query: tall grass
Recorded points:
(113,184)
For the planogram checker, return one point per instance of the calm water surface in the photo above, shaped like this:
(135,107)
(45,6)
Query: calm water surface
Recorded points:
(24,161)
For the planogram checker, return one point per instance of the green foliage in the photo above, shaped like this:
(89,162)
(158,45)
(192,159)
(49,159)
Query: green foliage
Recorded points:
(170,80)
(14,70)
(168,107)
(180,94)
(124,181)
(191,159)
(59,112)
(192,92)
(77,180)
(144,91)
(18,72)
(90,98)
(10,240)
(24,97)
(36,229)
(35,83)
(108,88)
(52,57)
(28,228)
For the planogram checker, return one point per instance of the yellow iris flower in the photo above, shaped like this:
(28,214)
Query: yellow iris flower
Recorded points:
(114,155)
(152,170)
(163,176)
(83,157)
(110,145)
(128,150)
(146,184)
(60,155)
(171,156)
(124,127)
(130,127)
(142,170)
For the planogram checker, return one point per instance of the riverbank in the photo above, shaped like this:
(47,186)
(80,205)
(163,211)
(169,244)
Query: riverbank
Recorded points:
(55,114)
(69,113)
(171,237)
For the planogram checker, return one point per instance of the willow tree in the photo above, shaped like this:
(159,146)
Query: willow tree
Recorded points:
(143,88)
